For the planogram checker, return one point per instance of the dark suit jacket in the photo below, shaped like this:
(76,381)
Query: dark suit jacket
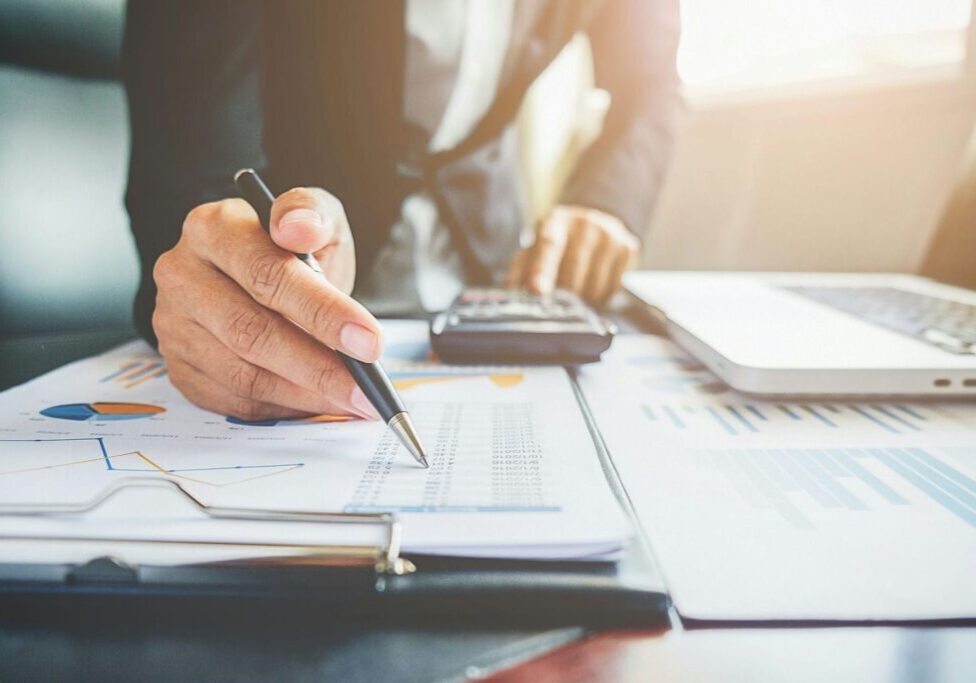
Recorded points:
(311,92)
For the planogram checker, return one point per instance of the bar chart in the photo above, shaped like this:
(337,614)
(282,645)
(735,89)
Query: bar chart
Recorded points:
(734,416)
(791,481)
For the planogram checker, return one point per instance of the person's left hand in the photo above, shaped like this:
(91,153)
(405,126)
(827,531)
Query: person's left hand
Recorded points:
(579,249)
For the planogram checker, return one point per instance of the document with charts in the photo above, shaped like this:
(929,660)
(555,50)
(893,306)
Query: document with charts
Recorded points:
(833,510)
(514,471)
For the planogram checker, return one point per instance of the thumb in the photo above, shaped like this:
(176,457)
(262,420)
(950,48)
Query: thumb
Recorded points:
(306,219)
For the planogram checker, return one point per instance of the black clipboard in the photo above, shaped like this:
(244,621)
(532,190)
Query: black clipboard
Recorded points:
(365,582)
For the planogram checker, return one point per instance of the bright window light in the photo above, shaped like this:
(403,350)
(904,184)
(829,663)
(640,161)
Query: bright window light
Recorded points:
(737,44)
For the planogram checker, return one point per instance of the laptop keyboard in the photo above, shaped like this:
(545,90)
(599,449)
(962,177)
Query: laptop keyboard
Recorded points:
(947,324)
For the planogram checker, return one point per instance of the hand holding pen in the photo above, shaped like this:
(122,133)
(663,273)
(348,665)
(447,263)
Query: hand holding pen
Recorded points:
(228,295)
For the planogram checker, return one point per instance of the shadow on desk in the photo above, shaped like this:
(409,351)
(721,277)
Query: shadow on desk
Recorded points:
(218,641)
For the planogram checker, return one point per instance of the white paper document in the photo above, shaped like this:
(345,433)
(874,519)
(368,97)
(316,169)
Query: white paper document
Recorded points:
(768,510)
(514,472)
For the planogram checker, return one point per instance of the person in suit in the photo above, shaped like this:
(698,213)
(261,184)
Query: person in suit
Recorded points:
(392,123)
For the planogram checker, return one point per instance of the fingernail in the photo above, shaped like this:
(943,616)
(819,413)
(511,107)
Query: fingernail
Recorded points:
(362,405)
(301,215)
(360,342)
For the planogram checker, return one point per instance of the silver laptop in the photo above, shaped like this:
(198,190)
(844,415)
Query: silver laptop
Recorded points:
(820,334)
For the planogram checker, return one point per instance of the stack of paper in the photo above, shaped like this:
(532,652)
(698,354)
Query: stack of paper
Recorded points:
(853,510)
(514,472)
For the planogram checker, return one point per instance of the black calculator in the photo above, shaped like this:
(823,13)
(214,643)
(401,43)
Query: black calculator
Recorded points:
(488,326)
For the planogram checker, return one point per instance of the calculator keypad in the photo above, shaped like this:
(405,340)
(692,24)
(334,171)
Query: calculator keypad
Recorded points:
(490,326)
(481,305)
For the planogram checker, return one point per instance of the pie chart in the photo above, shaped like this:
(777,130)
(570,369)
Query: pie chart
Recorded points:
(97,412)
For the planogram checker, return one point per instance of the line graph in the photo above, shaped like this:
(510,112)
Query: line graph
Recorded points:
(138,461)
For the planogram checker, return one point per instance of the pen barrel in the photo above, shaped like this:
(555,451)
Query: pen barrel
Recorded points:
(369,376)
(257,194)
(376,385)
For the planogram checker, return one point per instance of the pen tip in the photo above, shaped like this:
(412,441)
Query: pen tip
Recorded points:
(404,429)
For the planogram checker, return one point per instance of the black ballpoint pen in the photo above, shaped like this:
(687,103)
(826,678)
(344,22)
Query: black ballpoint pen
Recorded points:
(370,377)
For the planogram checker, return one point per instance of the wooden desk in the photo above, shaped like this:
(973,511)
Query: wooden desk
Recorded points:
(900,655)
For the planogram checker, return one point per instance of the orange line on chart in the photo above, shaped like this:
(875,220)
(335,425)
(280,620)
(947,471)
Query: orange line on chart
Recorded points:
(155,465)
(132,373)
(152,375)
(60,464)
(152,463)
(162,470)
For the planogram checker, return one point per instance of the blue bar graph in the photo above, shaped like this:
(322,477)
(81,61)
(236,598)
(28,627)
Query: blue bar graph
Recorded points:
(795,483)
(755,411)
(897,418)
(868,416)
(741,419)
(820,416)
(871,481)
(721,420)
(673,415)
(737,418)
(789,412)
(649,412)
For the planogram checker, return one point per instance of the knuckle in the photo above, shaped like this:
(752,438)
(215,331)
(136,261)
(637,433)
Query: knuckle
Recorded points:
(162,347)
(249,332)
(320,312)
(227,210)
(198,220)
(178,378)
(168,347)
(327,380)
(244,379)
(245,409)
(159,325)
(165,270)
(266,275)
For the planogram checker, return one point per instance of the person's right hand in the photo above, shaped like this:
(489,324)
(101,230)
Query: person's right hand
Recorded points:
(246,328)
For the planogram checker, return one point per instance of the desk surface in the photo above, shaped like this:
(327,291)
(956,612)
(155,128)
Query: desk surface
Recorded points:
(100,645)
(758,655)
(204,648)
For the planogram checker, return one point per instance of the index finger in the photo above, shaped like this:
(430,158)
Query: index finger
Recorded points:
(228,235)
(547,254)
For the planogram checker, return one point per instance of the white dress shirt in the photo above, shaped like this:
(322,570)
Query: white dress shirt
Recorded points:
(455,53)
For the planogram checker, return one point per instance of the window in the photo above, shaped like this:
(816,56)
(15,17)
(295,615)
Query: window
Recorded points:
(746,44)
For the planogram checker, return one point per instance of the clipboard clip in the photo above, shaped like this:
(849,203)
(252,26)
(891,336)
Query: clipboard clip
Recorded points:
(385,558)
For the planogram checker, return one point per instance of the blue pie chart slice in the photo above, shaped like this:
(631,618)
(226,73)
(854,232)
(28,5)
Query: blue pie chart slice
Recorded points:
(79,412)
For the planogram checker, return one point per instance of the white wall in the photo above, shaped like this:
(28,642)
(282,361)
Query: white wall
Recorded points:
(844,178)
